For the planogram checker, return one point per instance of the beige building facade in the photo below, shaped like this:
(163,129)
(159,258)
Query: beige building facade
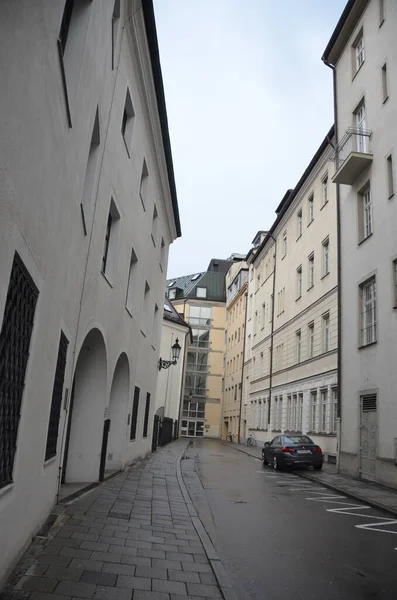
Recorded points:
(236,298)
(362,53)
(290,371)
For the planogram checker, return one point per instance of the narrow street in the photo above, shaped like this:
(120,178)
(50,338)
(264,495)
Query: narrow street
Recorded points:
(281,536)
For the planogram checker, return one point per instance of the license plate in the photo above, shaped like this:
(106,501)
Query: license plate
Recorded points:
(303,451)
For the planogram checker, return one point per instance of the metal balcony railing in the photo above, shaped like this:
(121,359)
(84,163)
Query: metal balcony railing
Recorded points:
(352,155)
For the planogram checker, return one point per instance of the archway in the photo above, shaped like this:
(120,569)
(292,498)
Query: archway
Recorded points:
(87,411)
(118,406)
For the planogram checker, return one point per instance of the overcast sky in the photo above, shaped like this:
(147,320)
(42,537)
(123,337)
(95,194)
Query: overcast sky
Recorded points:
(249,101)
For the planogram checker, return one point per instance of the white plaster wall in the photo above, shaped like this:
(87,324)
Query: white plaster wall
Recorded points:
(41,184)
(170,381)
(372,367)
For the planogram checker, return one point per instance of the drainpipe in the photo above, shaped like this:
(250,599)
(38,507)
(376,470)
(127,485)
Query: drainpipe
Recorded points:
(272,331)
(242,371)
(339,270)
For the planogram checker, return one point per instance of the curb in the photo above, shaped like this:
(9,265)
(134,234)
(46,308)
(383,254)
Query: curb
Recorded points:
(222,578)
(330,486)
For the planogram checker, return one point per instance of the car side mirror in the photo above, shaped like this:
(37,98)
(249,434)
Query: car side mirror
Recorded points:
(266,444)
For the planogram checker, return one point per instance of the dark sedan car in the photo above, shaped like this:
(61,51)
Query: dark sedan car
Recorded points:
(292,451)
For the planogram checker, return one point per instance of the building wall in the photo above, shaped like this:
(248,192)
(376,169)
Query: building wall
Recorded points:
(42,186)
(371,368)
(315,368)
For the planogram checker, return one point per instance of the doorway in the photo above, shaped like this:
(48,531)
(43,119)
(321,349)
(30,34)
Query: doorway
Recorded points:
(118,408)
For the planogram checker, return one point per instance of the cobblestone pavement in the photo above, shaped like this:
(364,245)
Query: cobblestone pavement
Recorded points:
(131,538)
(373,494)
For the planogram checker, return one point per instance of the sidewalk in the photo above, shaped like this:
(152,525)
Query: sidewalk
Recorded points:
(372,494)
(135,537)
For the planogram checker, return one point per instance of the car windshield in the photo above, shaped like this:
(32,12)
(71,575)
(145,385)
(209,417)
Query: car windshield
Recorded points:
(298,439)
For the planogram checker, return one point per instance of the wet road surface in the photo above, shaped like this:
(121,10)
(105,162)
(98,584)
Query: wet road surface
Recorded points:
(283,537)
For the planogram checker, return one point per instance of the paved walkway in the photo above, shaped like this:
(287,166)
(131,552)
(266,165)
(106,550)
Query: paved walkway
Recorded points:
(131,538)
(371,493)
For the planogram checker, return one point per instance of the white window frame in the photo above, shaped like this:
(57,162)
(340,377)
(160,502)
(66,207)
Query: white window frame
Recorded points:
(324,407)
(285,244)
(311,270)
(311,339)
(334,400)
(367,213)
(368,329)
(299,216)
(325,246)
(325,189)
(201,292)
(298,343)
(394,270)
(299,282)
(390,176)
(326,332)
(311,209)
(359,51)
(313,410)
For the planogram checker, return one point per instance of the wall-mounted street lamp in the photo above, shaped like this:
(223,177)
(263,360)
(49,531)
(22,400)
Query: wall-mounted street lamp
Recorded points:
(176,350)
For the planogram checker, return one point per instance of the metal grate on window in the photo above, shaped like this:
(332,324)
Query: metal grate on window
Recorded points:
(134,416)
(146,419)
(369,403)
(15,337)
(57,391)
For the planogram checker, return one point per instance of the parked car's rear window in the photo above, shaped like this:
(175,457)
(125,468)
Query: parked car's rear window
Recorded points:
(298,439)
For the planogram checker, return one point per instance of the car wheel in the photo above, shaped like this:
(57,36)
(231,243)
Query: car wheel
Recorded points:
(318,467)
(276,466)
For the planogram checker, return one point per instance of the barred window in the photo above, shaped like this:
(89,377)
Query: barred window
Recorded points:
(368,312)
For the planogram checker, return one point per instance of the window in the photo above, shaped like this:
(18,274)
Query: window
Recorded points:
(196,384)
(115,28)
(368,312)
(361,125)
(146,302)
(284,244)
(90,171)
(365,214)
(334,393)
(313,411)
(15,334)
(129,302)
(197,361)
(326,332)
(271,308)
(143,186)
(155,221)
(263,314)
(201,338)
(299,223)
(324,402)
(325,257)
(201,292)
(289,413)
(394,266)
(385,90)
(200,315)
(358,47)
(111,239)
(134,417)
(311,208)
(56,402)
(311,270)
(311,339)
(390,176)
(325,189)
(294,412)
(298,342)
(65,24)
(300,412)
(146,418)
(127,123)
(172,294)
(381,12)
(299,282)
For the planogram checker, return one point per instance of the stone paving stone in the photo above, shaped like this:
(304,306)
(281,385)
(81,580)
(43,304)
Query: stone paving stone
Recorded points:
(200,589)
(151,553)
(190,550)
(101,547)
(85,537)
(106,556)
(112,593)
(178,597)
(208,578)
(45,596)
(64,573)
(133,583)
(75,553)
(200,558)
(165,547)
(99,578)
(151,572)
(198,568)
(116,569)
(86,565)
(146,537)
(37,584)
(166,564)
(182,556)
(74,588)
(186,576)
(172,587)
(54,559)
(108,539)
(129,559)
(37,570)
(138,544)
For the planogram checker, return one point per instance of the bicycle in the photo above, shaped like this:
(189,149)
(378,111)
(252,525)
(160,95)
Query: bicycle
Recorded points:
(229,437)
(251,440)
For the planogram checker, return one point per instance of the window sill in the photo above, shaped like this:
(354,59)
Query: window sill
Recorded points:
(358,70)
(6,489)
(310,288)
(49,461)
(310,222)
(324,276)
(299,237)
(126,145)
(298,298)
(325,204)
(365,239)
(107,280)
(367,345)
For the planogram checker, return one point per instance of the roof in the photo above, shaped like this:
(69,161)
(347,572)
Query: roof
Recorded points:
(219,265)
(291,194)
(171,314)
(185,283)
(151,34)
(213,281)
(344,28)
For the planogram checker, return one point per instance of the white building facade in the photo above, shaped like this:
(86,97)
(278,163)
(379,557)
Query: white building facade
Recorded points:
(290,379)
(87,212)
(362,52)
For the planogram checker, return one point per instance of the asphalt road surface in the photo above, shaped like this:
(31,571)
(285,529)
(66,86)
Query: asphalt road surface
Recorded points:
(283,537)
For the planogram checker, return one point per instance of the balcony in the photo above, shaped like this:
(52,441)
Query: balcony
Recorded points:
(352,155)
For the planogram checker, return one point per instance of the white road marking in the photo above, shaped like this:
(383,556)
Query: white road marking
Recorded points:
(372,527)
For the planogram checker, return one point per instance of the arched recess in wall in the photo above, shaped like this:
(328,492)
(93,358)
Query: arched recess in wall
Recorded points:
(118,409)
(87,411)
